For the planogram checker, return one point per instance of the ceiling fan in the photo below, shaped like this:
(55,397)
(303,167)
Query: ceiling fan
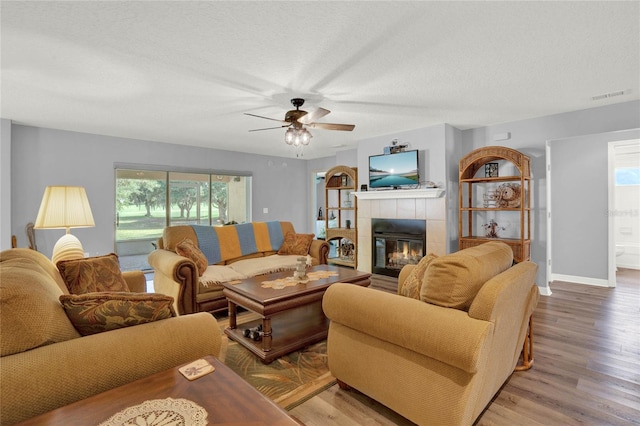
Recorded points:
(296,120)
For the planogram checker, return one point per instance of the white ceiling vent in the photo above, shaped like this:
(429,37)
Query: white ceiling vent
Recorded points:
(608,95)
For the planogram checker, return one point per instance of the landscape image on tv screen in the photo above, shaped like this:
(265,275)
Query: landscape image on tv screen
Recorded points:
(393,170)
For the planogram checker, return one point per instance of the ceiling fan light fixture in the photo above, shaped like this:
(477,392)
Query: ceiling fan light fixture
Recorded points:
(305,137)
(296,121)
(289,136)
(297,137)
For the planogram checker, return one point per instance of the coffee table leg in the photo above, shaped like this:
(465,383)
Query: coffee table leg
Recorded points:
(266,334)
(232,315)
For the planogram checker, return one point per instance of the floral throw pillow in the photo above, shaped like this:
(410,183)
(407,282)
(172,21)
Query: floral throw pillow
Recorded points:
(92,313)
(92,274)
(412,285)
(186,248)
(296,244)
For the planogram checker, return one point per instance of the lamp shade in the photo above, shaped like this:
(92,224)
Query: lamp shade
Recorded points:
(64,207)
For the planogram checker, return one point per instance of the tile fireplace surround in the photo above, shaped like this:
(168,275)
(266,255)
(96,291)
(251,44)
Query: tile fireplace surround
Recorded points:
(428,205)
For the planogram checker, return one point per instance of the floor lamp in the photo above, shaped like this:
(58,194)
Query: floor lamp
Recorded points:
(65,207)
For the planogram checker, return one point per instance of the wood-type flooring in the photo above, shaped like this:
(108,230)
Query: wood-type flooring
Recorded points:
(586,366)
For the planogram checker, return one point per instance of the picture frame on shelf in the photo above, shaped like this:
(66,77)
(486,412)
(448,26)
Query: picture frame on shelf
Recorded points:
(491,170)
(345,180)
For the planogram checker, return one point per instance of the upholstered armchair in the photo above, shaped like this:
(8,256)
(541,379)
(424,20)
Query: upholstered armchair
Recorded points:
(438,351)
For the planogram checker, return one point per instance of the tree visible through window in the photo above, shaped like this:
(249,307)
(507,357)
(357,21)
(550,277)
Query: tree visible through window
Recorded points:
(147,201)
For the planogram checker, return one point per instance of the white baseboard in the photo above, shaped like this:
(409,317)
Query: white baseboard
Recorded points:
(627,265)
(544,291)
(580,280)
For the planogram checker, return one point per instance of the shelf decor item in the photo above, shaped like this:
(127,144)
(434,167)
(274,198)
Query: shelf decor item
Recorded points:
(491,199)
(492,229)
(491,170)
(347,201)
(509,195)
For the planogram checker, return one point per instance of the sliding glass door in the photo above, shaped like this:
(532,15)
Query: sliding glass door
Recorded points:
(149,200)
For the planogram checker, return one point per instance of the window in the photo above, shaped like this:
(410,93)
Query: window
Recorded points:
(627,176)
(149,200)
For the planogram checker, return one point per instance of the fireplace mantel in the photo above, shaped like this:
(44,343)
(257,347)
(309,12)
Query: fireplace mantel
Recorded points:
(400,193)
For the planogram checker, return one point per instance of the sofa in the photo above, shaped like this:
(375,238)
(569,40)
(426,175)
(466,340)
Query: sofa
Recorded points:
(46,363)
(439,350)
(216,254)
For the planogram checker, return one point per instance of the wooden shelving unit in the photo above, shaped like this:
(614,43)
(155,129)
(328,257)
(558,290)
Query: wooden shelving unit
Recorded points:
(341,217)
(505,206)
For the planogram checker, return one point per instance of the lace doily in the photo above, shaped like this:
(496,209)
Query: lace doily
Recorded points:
(165,412)
(292,281)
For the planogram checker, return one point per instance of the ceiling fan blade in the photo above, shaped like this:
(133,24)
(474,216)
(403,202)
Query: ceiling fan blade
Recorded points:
(270,128)
(313,116)
(266,118)
(332,126)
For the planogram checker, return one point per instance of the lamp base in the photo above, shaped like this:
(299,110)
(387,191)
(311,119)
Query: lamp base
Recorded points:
(68,247)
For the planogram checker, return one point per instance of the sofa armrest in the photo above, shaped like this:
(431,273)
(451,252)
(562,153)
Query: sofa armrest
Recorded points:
(319,250)
(497,296)
(61,373)
(175,276)
(447,335)
(136,281)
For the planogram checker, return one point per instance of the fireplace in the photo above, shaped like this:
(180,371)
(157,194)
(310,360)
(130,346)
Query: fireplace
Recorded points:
(396,243)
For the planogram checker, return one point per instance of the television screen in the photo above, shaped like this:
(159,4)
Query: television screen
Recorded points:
(394,170)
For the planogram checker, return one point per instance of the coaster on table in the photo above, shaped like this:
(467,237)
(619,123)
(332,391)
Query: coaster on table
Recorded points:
(196,369)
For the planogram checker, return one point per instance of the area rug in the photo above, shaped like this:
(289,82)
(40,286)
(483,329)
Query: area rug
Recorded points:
(289,380)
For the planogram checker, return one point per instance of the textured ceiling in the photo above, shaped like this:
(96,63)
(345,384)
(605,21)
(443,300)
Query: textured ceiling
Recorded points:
(185,72)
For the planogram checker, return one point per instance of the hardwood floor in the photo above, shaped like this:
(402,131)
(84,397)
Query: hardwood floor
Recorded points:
(586,370)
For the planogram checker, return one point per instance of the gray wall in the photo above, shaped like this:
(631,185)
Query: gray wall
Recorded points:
(530,136)
(5,184)
(580,203)
(42,157)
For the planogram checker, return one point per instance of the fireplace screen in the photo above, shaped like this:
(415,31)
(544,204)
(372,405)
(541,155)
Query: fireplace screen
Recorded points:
(395,253)
(396,243)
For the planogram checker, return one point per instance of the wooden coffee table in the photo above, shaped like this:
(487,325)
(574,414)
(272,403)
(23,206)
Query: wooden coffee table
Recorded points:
(226,397)
(291,317)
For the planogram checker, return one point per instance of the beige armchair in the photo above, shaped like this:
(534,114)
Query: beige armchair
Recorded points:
(438,359)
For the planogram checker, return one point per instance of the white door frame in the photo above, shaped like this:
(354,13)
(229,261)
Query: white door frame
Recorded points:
(611,211)
(548,177)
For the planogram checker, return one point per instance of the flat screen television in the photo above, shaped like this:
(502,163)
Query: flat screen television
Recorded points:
(394,170)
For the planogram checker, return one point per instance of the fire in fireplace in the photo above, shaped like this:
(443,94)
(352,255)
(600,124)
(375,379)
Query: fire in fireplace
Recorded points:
(396,243)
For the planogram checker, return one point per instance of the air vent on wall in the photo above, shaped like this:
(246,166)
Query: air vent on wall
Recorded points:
(608,95)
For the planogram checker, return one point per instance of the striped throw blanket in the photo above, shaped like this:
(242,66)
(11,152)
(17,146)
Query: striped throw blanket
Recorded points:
(221,243)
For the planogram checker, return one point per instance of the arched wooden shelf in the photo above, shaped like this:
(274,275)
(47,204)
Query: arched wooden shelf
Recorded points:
(472,180)
(340,183)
